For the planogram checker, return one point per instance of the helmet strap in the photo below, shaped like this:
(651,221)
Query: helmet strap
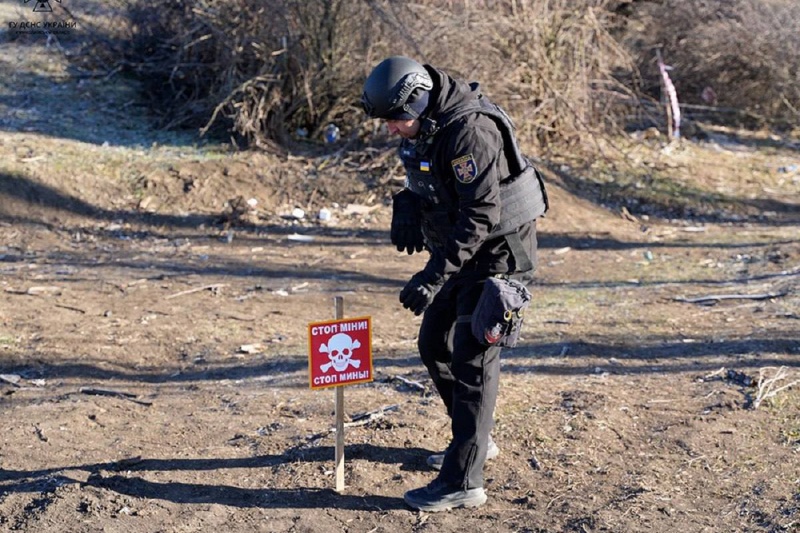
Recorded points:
(428,128)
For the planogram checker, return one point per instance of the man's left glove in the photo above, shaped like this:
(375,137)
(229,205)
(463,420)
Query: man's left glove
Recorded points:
(406,231)
(418,293)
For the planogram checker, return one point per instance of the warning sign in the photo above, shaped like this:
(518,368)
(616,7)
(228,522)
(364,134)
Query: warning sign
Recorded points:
(340,352)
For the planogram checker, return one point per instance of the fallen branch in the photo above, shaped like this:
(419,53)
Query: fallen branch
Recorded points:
(213,287)
(765,385)
(117,394)
(358,420)
(718,297)
(739,378)
(366,418)
(714,374)
(71,308)
(413,384)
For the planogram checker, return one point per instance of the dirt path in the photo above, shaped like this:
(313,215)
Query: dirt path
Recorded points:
(154,359)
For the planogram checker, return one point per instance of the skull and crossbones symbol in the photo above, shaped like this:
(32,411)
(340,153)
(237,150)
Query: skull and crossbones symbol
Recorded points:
(340,350)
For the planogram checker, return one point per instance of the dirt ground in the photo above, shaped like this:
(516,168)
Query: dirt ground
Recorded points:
(154,356)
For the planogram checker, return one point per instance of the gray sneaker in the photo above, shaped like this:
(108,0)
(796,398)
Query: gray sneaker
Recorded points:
(435,461)
(438,496)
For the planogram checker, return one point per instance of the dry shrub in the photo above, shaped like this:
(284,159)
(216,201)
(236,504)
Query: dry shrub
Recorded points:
(556,63)
(302,68)
(268,68)
(553,64)
(747,52)
(261,68)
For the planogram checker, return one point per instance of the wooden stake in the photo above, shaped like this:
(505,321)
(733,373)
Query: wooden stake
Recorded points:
(339,312)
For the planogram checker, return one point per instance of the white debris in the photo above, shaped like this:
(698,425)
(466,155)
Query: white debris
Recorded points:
(250,348)
(300,238)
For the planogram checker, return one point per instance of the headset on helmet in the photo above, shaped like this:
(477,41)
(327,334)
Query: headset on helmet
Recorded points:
(392,87)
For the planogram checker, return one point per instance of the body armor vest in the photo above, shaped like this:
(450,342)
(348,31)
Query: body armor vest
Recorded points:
(523,197)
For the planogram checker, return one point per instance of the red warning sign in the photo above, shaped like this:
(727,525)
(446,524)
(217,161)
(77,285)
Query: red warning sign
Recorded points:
(339,352)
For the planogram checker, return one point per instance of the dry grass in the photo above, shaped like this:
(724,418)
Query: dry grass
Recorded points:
(219,65)
(747,52)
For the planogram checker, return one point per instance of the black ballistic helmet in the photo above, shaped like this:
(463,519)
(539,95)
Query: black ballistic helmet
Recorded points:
(396,89)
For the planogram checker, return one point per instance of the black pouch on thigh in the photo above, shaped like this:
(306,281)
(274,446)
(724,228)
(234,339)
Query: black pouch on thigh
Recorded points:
(497,319)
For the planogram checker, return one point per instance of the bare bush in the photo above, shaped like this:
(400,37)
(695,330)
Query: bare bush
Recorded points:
(269,68)
(551,64)
(733,53)
(302,55)
(261,68)
(555,62)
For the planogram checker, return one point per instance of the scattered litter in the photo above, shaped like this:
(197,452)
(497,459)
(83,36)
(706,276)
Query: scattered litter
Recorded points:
(252,202)
(562,251)
(298,213)
(324,214)
(300,287)
(300,238)
(12,379)
(331,133)
(250,348)
(34,291)
(740,378)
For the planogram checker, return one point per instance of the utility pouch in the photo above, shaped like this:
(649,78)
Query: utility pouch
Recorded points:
(497,319)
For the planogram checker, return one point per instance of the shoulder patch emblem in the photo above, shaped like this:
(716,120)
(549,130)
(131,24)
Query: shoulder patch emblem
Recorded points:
(465,168)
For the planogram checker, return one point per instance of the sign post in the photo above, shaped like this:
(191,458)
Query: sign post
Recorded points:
(339,306)
(339,354)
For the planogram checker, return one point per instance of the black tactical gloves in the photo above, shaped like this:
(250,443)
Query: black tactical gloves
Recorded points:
(406,222)
(418,293)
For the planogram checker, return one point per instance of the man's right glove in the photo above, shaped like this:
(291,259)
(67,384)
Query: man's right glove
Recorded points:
(406,231)
(418,293)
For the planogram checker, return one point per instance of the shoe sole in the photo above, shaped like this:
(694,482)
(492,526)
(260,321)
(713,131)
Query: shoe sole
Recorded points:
(472,502)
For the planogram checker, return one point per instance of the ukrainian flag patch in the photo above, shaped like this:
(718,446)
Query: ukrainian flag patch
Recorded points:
(425,166)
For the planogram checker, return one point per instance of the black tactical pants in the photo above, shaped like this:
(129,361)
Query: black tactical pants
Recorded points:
(466,374)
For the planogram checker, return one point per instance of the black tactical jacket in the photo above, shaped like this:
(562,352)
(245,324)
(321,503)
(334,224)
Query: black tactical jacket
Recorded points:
(457,171)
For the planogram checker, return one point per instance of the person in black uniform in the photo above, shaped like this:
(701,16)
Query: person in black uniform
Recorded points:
(471,199)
